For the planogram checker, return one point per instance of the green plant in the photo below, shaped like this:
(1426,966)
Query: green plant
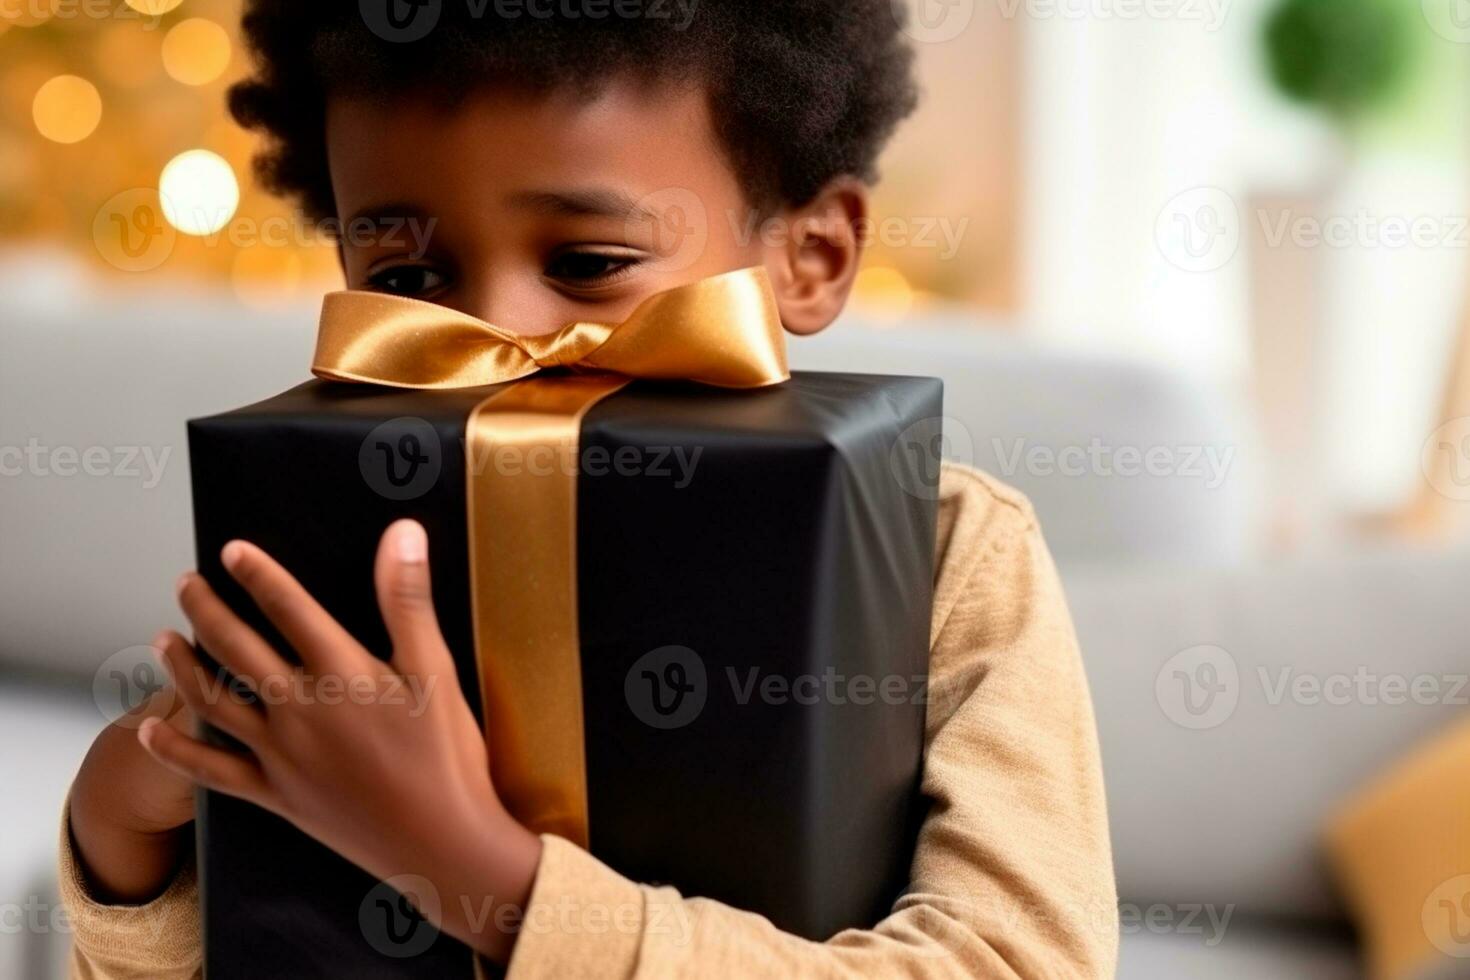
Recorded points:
(1343,56)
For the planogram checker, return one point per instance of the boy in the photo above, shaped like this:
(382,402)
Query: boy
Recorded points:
(554,151)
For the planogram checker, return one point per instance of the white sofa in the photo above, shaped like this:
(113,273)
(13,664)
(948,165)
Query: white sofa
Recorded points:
(1214,829)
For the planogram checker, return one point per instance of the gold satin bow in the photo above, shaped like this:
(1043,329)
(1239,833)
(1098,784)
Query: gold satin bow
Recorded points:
(723,331)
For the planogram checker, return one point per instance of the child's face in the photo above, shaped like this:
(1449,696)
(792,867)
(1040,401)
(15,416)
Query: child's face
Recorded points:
(554,209)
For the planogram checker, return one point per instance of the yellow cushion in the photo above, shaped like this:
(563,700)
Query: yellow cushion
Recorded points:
(1401,852)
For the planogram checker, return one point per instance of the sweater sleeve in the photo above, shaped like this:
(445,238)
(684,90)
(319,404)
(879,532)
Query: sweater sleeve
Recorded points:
(1013,872)
(158,940)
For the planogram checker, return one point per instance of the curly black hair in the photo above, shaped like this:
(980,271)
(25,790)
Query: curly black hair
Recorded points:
(801,91)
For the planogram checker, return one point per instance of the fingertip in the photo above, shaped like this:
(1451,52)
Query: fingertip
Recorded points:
(232,554)
(145,731)
(408,542)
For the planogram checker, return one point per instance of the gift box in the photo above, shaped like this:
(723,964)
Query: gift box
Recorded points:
(726,695)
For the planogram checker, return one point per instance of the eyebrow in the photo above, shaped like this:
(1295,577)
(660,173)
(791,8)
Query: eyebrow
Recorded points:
(590,202)
(392,211)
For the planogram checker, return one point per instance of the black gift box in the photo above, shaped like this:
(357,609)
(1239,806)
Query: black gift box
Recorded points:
(776,544)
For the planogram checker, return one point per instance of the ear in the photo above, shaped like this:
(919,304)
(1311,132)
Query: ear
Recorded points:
(813,267)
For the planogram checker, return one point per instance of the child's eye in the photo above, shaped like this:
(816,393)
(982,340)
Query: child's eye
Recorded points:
(588,268)
(407,280)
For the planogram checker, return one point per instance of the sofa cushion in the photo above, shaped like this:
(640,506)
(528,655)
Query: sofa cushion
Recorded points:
(1123,461)
(1304,680)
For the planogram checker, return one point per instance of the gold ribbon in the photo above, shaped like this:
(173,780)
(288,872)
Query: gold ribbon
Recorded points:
(723,331)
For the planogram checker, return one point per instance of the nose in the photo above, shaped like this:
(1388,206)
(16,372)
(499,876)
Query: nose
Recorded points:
(515,302)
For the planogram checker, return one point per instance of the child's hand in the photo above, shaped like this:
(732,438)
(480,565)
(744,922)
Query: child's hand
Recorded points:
(129,814)
(382,762)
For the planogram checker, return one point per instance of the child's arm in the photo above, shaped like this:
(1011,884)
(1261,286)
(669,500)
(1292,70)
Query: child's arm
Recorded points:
(1013,876)
(126,857)
(129,814)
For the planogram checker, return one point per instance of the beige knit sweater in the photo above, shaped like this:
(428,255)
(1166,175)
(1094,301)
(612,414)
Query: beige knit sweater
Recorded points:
(1013,875)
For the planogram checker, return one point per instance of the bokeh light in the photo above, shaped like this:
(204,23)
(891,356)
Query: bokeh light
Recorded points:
(196,51)
(199,192)
(67,109)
